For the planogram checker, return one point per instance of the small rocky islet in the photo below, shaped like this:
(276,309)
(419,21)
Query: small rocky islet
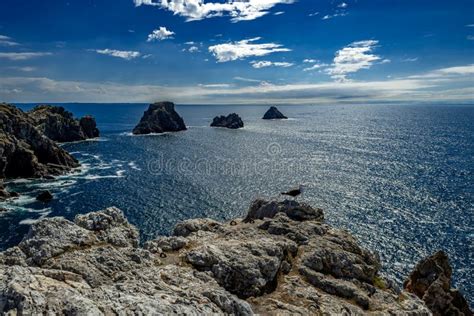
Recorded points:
(232,121)
(274,114)
(282,258)
(160,117)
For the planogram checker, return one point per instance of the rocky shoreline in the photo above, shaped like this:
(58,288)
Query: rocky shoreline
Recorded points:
(281,259)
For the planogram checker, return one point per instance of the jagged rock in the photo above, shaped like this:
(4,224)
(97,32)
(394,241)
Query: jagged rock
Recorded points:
(163,243)
(159,118)
(279,265)
(4,194)
(262,208)
(3,210)
(187,227)
(273,114)
(60,125)
(431,281)
(25,152)
(232,121)
(89,126)
(44,196)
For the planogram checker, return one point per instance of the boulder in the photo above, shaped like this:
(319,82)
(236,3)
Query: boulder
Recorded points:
(232,121)
(159,118)
(431,281)
(260,209)
(273,114)
(44,196)
(89,126)
(60,125)
(25,152)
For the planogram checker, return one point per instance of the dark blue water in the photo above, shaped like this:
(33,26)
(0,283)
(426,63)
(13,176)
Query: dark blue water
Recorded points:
(398,177)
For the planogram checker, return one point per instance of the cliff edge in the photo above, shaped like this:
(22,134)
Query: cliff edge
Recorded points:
(282,259)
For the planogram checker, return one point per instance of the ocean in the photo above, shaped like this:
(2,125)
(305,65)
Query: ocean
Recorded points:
(398,177)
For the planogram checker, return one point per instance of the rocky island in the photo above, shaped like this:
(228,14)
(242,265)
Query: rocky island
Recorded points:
(25,152)
(60,125)
(232,121)
(281,259)
(273,114)
(159,118)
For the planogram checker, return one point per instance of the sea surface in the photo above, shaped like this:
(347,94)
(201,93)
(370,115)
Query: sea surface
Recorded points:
(399,177)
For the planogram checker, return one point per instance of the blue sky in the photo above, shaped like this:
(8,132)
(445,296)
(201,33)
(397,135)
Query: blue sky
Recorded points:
(224,51)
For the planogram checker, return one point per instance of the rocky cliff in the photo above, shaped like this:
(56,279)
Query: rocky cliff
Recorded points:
(25,152)
(60,125)
(282,259)
(159,118)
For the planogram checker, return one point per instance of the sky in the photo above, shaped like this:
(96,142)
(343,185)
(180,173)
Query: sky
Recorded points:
(237,51)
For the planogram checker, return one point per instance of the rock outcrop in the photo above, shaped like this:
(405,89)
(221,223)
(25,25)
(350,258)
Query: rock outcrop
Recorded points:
(60,125)
(283,262)
(4,194)
(24,151)
(273,114)
(431,281)
(159,118)
(44,196)
(89,126)
(232,121)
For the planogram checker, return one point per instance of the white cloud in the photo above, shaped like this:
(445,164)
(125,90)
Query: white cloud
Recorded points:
(385,61)
(243,49)
(279,13)
(246,79)
(470,25)
(266,63)
(313,14)
(190,43)
(413,59)
(330,16)
(24,69)
(342,5)
(310,61)
(23,56)
(458,70)
(198,9)
(193,49)
(160,34)
(7,41)
(315,67)
(352,58)
(128,55)
(215,85)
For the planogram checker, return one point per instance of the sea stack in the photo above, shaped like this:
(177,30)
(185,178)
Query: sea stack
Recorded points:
(159,118)
(89,126)
(273,114)
(60,125)
(25,152)
(232,121)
